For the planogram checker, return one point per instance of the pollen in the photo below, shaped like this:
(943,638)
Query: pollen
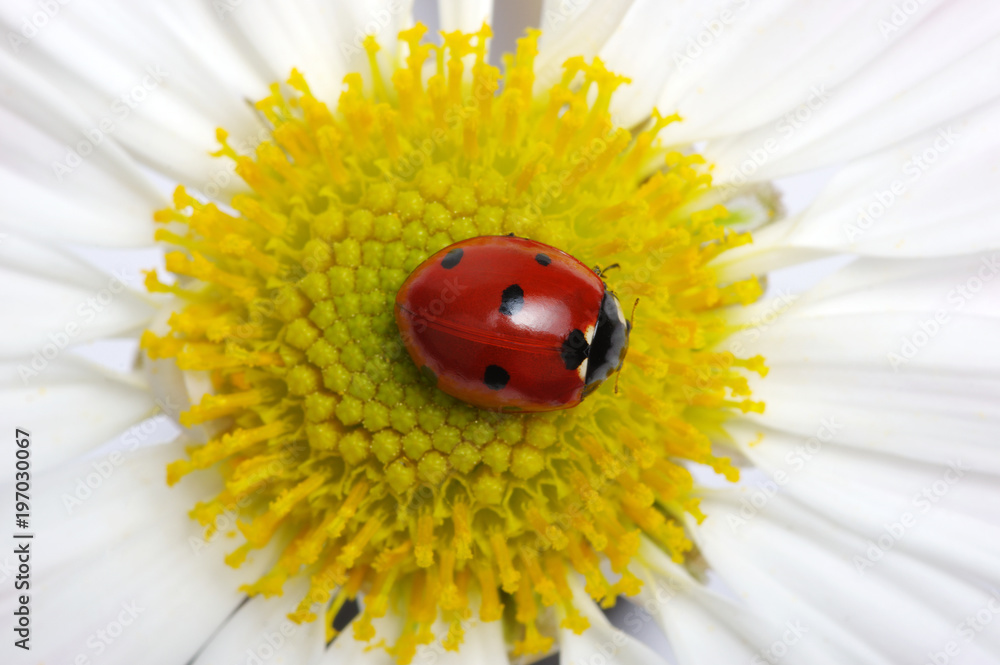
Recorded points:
(338,453)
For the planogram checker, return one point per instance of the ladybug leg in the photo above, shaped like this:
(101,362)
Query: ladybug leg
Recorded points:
(599,271)
(632,317)
(628,325)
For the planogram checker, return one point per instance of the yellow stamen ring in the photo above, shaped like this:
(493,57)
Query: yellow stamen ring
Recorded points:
(334,447)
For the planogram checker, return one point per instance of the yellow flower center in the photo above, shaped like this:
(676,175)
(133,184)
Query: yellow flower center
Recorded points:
(331,443)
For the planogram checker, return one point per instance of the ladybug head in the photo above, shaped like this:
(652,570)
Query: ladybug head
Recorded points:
(607,350)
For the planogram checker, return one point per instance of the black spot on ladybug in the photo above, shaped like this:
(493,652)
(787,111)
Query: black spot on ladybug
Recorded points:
(512,300)
(452,258)
(429,375)
(496,377)
(543,259)
(575,349)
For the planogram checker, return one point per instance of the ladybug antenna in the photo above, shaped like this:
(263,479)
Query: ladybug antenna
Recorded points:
(601,271)
(631,318)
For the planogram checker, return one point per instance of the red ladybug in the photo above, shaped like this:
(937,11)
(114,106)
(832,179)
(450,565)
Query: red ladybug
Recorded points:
(509,323)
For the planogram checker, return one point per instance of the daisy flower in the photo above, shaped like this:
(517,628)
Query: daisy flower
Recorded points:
(791,468)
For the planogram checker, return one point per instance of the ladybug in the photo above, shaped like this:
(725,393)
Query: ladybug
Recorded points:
(508,323)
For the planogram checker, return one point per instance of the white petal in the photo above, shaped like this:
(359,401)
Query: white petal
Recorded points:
(383,19)
(738,69)
(948,502)
(932,195)
(873,310)
(705,627)
(791,563)
(303,35)
(116,556)
(261,628)
(900,352)
(908,456)
(601,640)
(641,39)
(160,76)
(928,80)
(324,40)
(640,48)
(866,89)
(52,313)
(736,66)
(465,15)
(927,416)
(700,634)
(52,262)
(61,180)
(574,28)
(68,407)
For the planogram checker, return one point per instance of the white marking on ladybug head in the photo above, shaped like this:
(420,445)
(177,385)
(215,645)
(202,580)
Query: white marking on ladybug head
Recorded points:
(618,309)
(588,335)
(609,342)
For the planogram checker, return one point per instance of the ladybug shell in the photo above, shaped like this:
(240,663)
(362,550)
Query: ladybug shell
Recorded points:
(502,322)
